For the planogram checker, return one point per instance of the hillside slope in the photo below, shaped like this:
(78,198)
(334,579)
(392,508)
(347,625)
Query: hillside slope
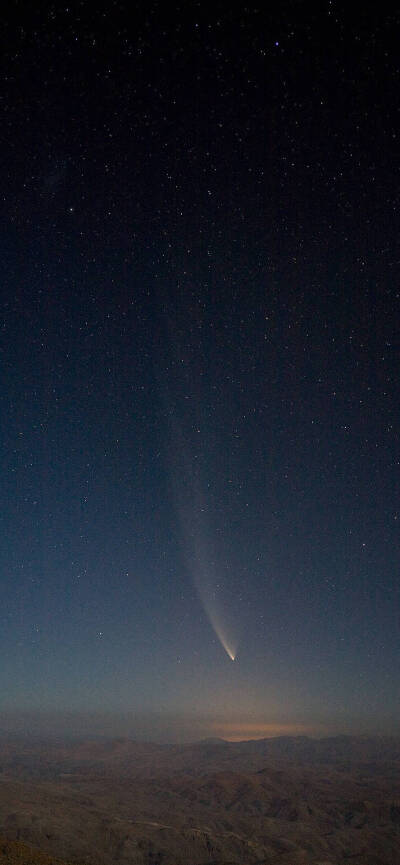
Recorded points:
(17,853)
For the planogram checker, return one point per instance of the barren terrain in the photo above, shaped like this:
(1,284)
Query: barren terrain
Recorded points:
(292,801)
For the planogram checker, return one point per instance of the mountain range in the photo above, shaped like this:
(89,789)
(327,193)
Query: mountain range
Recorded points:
(289,800)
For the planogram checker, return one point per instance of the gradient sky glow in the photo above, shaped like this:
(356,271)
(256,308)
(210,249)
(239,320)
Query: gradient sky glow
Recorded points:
(199,402)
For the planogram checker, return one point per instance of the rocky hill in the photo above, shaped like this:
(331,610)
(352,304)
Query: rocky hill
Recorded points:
(266,803)
(16,853)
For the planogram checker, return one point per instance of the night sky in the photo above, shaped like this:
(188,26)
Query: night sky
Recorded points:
(199,356)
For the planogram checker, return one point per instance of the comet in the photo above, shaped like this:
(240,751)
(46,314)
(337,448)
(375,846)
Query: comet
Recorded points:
(230,650)
(216,617)
(201,544)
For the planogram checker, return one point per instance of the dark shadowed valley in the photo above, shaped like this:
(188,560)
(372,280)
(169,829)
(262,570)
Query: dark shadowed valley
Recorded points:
(289,800)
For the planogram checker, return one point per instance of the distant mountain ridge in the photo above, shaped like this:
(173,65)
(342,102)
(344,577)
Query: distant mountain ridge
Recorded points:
(41,758)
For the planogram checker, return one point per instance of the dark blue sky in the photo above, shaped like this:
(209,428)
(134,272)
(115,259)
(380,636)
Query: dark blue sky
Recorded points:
(199,397)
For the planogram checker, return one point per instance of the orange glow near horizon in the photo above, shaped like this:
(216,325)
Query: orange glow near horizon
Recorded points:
(240,731)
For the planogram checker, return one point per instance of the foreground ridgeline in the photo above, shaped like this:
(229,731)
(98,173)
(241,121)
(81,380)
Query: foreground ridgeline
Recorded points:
(289,800)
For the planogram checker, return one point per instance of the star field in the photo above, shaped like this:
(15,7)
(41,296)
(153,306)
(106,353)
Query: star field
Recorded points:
(199,407)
